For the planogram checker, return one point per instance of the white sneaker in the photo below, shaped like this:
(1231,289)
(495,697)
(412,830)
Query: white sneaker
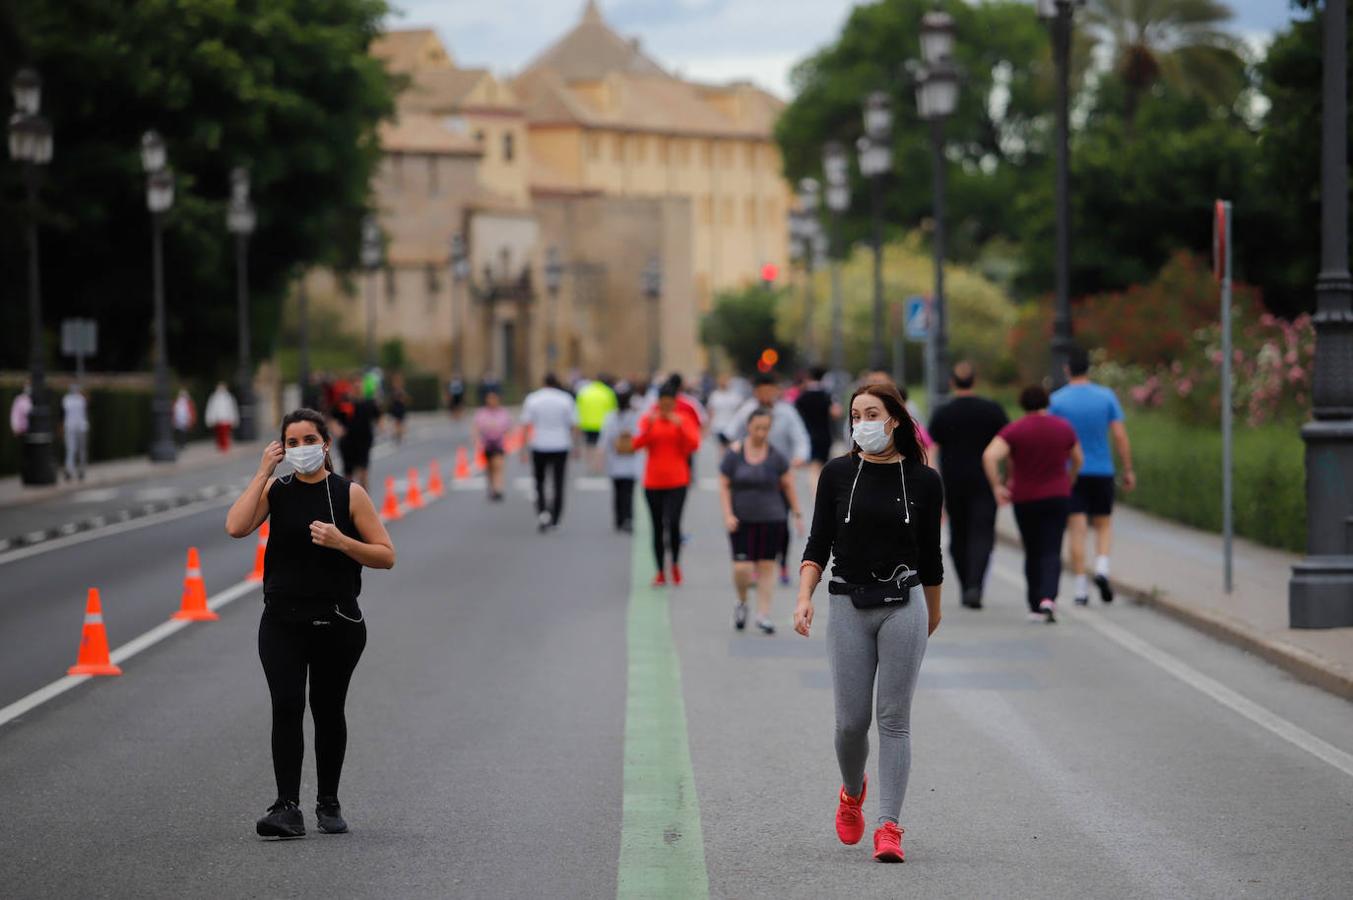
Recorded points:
(765,625)
(1049,609)
(740,616)
(543,521)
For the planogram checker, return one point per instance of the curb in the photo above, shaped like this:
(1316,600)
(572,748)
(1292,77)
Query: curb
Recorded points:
(1302,664)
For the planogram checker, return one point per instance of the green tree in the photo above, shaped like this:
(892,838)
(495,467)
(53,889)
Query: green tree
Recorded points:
(284,87)
(743,324)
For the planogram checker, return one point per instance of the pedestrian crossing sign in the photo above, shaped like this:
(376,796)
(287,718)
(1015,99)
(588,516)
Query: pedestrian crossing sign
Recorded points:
(917,318)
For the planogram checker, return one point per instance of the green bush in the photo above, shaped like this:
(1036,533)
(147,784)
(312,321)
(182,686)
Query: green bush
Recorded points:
(1179,478)
(120,425)
(425,392)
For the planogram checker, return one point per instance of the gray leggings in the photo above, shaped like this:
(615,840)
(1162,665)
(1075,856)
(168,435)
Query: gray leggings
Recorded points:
(890,641)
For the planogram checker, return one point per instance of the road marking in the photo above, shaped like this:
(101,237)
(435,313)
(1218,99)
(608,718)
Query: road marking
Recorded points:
(1259,715)
(168,515)
(662,847)
(95,495)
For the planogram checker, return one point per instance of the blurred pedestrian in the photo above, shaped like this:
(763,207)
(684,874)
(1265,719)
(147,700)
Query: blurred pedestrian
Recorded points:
(20,409)
(620,458)
(489,429)
(595,400)
(489,382)
(877,514)
(962,429)
(359,417)
(75,425)
(670,439)
(756,488)
(552,418)
(724,403)
(1038,448)
(322,531)
(184,415)
(222,415)
(819,413)
(455,395)
(1095,413)
(398,405)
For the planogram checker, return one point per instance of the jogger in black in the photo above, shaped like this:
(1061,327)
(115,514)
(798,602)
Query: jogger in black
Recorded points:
(665,508)
(552,465)
(323,530)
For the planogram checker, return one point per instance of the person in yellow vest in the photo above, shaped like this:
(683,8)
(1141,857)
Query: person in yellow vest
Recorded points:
(595,400)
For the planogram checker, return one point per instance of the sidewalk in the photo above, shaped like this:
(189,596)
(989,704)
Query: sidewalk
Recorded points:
(1178,570)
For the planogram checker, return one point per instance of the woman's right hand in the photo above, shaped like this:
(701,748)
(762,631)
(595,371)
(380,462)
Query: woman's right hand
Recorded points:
(803,616)
(730,522)
(272,455)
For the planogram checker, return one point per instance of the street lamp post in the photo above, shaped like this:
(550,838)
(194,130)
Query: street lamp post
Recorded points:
(807,233)
(1058,13)
(876,160)
(240,222)
(554,274)
(1320,594)
(836,168)
(159,200)
(652,286)
(936,97)
(460,275)
(372,256)
(30,143)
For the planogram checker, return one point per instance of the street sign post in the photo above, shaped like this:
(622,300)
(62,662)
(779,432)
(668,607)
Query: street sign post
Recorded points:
(80,339)
(1221,267)
(917,321)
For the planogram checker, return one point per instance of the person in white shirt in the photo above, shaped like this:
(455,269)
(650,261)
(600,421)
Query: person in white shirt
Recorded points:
(222,416)
(723,406)
(552,417)
(76,424)
(185,417)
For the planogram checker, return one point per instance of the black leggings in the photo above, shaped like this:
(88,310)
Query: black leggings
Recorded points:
(1041,526)
(665,507)
(328,652)
(972,534)
(624,501)
(554,463)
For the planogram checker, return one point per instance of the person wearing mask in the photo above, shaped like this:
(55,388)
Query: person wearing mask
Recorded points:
(75,422)
(756,489)
(222,415)
(552,418)
(1037,448)
(489,429)
(962,429)
(1094,411)
(619,458)
(877,516)
(322,530)
(670,439)
(723,406)
(819,413)
(359,418)
(595,400)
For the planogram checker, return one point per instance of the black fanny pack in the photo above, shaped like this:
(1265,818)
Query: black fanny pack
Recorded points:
(895,591)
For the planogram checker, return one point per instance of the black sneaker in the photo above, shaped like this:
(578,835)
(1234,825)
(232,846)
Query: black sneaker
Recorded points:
(1082,601)
(972,598)
(1105,589)
(330,816)
(740,616)
(284,820)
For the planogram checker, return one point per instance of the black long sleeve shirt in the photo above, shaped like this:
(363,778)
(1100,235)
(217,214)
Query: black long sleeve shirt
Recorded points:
(877,538)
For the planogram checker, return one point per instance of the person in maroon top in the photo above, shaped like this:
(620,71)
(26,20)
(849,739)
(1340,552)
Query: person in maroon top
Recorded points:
(1042,457)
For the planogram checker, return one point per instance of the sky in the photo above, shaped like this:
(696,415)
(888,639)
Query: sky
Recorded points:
(707,40)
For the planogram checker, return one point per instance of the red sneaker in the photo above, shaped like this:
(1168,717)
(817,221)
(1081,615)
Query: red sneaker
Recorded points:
(676,574)
(888,844)
(660,580)
(850,815)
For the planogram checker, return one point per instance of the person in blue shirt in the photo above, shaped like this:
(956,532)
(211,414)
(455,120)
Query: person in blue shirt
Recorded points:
(1095,413)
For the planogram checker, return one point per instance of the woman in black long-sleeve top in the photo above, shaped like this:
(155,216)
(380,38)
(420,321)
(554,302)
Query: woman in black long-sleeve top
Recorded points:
(878,514)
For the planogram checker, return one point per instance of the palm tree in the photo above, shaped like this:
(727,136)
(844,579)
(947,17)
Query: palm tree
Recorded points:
(1179,42)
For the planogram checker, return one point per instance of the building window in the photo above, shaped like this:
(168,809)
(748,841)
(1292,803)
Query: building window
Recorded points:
(751,211)
(391,285)
(751,156)
(706,210)
(664,150)
(479,136)
(397,169)
(433,286)
(772,210)
(726,155)
(594,147)
(433,187)
(618,148)
(640,148)
(683,152)
(727,216)
(707,154)
(509,150)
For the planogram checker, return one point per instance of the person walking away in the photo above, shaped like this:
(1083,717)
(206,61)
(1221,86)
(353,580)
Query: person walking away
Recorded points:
(670,439)
(819,413)
(20,409)
(398,405)
(877,516)
(222,416)
(962,429)
(550,414)
(322,530)
(595,400)
(724,403)
(184,415)
(620,459)
(75,422)
(1038,448)
(489,429)
(359,418)
(756,488)
(1094,411)
(455,396)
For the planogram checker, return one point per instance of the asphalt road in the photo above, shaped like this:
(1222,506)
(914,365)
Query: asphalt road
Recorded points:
(487,738)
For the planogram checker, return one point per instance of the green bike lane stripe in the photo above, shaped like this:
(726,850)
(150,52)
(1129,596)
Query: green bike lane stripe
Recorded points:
(662,847)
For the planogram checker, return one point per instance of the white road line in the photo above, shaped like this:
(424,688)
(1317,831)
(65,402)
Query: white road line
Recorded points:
(168,515)
(1259,715)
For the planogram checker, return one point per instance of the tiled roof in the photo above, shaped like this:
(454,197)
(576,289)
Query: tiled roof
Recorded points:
(416,132)
(407,50)
(593,49)
(440,90)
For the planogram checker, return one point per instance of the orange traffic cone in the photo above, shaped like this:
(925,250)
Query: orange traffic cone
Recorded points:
(390,508)
(413,498)
(260,553)
(462,464)
(435,486)
(481,462)
(194,605)
(93,658)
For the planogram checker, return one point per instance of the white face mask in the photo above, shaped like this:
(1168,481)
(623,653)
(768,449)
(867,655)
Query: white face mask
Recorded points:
(871,436)
(306,458)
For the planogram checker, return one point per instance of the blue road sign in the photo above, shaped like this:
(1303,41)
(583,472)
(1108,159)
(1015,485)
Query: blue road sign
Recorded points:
(917,318)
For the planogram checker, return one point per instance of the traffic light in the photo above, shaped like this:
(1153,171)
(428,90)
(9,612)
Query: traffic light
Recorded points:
(769,272)
(768,360)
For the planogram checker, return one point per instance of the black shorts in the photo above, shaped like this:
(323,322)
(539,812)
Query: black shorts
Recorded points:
(758,541)
(493,449)
(821,449)
(590,438)
(356,455)
(1092,496)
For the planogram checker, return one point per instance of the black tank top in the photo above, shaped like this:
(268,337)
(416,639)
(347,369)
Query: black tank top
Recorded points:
(299,576)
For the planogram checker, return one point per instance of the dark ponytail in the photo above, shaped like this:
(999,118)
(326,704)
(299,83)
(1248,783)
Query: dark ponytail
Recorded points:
(906,437)
(314,418)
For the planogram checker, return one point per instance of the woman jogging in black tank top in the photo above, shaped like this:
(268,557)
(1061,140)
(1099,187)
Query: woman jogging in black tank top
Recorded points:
(322,530)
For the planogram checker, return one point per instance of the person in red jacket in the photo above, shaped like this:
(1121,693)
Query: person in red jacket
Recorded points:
(670,438)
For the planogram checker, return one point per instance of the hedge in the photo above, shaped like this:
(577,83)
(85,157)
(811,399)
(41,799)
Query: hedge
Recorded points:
(119,425)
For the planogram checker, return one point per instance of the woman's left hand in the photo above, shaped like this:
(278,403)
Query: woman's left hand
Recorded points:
(325,534)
